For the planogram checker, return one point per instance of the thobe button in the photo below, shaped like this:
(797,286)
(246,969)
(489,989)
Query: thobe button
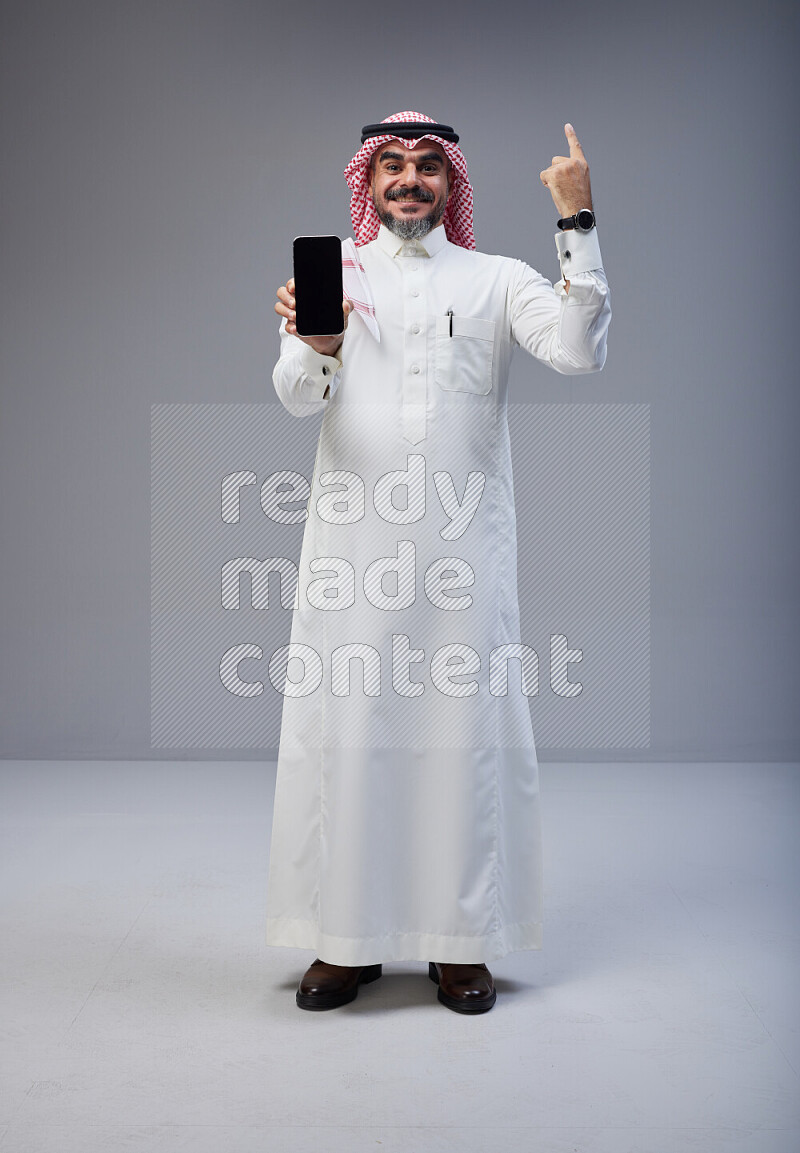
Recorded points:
(325,370)
(567,254)
(415,292)
(414,267)
(415,328)
(415,369)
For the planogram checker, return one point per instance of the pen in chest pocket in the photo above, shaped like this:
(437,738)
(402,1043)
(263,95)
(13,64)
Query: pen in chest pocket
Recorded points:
(450,314)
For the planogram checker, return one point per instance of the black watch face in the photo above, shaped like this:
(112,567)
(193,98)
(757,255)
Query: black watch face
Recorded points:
(585,219)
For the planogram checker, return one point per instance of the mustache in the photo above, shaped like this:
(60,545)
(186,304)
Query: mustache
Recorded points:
(422,194)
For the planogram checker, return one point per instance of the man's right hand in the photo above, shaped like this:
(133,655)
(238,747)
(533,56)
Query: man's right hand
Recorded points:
(324,345)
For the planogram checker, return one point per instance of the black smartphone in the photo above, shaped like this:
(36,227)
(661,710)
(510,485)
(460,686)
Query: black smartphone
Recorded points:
(318,285)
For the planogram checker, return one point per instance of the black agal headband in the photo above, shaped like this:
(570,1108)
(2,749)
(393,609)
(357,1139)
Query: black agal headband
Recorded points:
(409,130)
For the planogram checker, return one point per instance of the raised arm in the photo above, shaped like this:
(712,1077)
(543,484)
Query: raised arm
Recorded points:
(565,325)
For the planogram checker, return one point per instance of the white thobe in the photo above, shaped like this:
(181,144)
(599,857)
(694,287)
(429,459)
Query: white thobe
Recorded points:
(406,822)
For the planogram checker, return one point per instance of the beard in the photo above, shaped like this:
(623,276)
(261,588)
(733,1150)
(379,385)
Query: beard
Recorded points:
(415,227)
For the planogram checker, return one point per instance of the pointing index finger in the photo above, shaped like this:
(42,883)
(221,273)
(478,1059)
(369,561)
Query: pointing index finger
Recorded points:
(574,144)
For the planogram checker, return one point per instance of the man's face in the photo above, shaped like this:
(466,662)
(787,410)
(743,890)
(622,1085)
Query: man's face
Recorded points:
(410,186)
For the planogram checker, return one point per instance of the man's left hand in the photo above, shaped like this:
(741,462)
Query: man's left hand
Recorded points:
(568,178)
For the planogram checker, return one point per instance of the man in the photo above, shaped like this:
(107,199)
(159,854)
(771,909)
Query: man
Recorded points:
(406,822)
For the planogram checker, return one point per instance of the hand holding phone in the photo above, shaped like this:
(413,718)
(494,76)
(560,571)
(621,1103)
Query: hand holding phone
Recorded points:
(312,301)
(326,345)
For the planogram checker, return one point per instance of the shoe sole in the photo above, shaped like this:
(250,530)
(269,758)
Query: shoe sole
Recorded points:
(454,1002)
(334,1000)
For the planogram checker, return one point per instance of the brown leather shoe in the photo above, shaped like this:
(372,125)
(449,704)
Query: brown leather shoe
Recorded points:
(325,986)
(465,988)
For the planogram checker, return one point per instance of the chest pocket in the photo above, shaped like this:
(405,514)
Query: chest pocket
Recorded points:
(464,360)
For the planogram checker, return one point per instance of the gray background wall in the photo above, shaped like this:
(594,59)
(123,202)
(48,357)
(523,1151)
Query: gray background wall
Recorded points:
(158,158)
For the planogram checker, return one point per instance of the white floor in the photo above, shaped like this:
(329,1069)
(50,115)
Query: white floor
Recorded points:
(141,1009)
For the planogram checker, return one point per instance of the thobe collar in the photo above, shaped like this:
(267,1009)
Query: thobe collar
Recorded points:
(428,245)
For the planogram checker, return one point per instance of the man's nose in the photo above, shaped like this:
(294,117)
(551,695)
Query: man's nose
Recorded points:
(410,174)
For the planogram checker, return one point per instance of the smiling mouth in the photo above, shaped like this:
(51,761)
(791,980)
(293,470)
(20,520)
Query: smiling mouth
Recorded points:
(409,198)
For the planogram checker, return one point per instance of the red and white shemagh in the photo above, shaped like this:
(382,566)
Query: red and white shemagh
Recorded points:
(458,213)
(356,286)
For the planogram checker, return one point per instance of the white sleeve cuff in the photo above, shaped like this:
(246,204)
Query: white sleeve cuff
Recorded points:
(321,371)
(578,252)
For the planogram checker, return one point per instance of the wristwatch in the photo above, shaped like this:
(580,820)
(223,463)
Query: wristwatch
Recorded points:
(582,221)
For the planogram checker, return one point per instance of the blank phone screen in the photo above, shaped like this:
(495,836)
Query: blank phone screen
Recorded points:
(318,285)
